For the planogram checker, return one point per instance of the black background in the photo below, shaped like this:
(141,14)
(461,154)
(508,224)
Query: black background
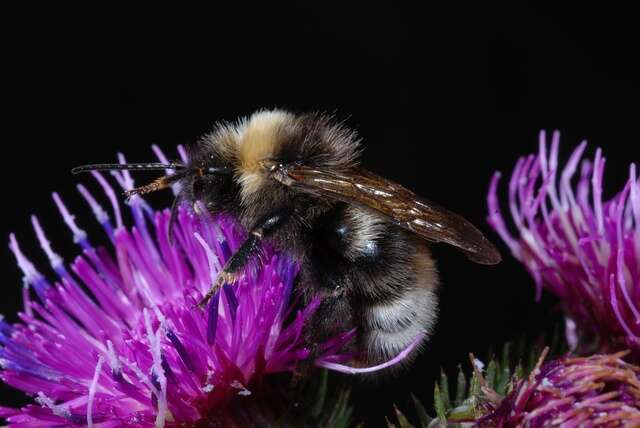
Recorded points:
(442,96)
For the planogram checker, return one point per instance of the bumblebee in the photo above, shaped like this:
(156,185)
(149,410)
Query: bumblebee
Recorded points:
(362,241)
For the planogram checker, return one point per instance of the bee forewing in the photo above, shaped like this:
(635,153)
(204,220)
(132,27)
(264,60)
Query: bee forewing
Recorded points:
(398,204)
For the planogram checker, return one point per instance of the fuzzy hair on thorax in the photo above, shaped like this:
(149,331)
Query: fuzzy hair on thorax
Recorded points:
(313,139)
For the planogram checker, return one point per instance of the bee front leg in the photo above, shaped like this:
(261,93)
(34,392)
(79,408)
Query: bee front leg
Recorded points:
(233,267)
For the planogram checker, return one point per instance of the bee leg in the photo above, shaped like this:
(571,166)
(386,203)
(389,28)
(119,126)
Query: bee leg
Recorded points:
(233,267)
(304,369)
(334,309)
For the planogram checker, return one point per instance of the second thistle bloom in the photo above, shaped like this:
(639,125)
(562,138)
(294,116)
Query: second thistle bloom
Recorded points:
(598,391)
(580,247)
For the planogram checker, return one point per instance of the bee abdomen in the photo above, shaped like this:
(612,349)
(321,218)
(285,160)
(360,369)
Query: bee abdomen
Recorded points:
(394,325)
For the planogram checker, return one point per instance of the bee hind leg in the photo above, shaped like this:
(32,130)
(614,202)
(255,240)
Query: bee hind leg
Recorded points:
(333,317)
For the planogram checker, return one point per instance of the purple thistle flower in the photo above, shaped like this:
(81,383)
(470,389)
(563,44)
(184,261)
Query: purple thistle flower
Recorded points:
(116,340)
(598,391)
(584,250)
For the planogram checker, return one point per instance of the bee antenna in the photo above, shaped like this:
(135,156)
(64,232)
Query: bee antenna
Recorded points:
(153,166)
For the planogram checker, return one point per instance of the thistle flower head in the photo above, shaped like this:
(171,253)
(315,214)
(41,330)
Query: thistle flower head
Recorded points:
(116,339)
(583,249)
(598,391)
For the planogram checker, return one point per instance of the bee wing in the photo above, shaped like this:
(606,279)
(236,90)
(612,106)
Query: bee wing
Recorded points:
(398,204)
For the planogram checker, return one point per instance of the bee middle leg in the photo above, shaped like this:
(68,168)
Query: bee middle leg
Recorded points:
(233,267)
